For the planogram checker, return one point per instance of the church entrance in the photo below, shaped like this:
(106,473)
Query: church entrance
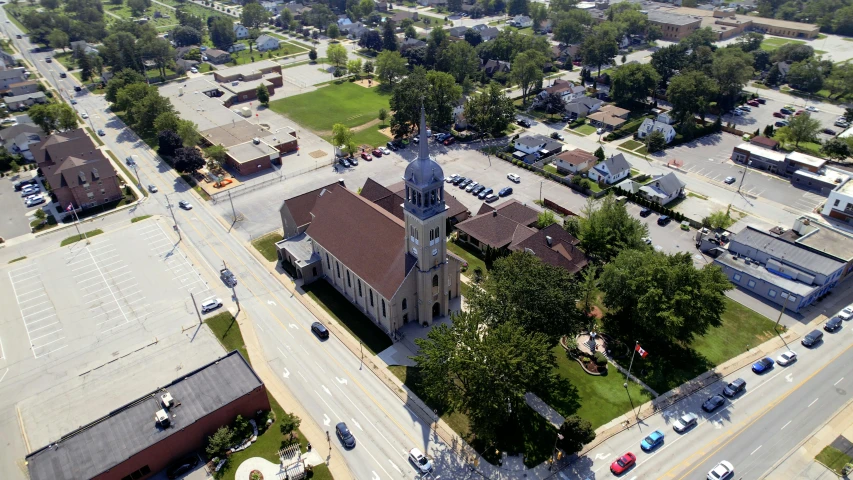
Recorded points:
(405,318)
(436,309)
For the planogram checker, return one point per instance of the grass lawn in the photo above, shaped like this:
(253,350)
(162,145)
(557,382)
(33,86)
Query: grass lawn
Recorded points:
(741,329)
(632,145)
(94,135)
(266,245)
(550,168)
(470,255)
(833,458)
(227,331)
(585,129)
(598,399)
(123,11)
(139,219)
(370,136)
(38,226)
(696,195)
(350,104)
(772,43)
(17,259)
(204,67)
(642,150)
(77,238)
(66,59)
(130,177)
(348,315)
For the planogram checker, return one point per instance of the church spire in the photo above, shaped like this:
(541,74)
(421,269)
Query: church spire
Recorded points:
(423,151)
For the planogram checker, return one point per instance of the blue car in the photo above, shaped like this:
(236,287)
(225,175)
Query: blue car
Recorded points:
(762,365)
(652,441)
(505,191)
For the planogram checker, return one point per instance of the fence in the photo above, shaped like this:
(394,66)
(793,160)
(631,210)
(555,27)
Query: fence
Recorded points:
(250,187)
(558,208)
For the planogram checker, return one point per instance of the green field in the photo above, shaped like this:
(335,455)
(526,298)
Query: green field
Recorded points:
(123,11)
(266,245)
(370,136)
(245,56)
(470,255)
(345,103)
(772,43)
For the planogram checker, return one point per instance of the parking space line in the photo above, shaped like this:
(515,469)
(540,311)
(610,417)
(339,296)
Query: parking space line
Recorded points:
(52,351)
(39,320)
(52,341)
(14,278)
(49,324)
(31,291)
(34,306)
(47,335)
(31,299)
(34,313)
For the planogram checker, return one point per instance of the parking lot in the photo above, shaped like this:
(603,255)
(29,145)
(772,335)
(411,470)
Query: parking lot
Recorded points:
(15,216)
(762,115)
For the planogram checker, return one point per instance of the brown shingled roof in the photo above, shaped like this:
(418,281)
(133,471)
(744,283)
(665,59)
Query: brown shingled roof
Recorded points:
(518,212)
(63,156)
(577,156)
(300,206)
(562,252)
(363,236)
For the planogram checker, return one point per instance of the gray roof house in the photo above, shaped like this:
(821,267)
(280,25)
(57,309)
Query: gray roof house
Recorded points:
(663,189)
(266,42)
(611,170)
(17,138)
(538,144)
(20,101)
(580,107)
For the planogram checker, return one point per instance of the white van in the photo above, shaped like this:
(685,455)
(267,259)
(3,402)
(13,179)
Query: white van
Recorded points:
(211,304)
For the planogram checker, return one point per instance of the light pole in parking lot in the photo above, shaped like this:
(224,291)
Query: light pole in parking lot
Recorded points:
(786,296)
(172,211)
(746,167)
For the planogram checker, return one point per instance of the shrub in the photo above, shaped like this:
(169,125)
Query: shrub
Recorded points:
(219,442)
(600,359)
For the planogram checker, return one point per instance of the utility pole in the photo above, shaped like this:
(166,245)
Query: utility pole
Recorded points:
(195,305)
(782,311)
(136,171)
(169,204)
(746,167)
(74,211)
(554,451)
(233,211)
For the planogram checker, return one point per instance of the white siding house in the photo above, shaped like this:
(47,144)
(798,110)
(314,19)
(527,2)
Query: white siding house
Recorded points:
(611,170)
(266,42)
(648,126)
(240,31)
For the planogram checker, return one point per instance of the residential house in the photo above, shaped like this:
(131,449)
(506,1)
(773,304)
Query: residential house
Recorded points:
(18,138)
(11,76)
(458,33)
(401,15)
(410,43)
(567,90)
(217,56)
(240,31)
(554,246)
(20,102)
(266,42)
(492,67)
(521,21)
(395,271)
(23,88)
(499,227)
(273,7)
(489,33)
(609,117)
(83,46)
(538,145)
(574,161)
(354,30)
(185,65)
(78,172)
(663,189)
(779,271)
(648,126)
(392,198)
(611,170)
(582,106)
(237,47)
(343,21)
(297,9)
(382,6)
(432,3)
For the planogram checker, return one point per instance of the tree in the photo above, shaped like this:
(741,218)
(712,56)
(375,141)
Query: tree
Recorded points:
(437,41)
(633,83)
(217,153)
(167,121)
(599,154)
(527,72)
(406,100)
(588,291)
(792,52)
(131,95)
(53,116)
(460,60)
(545,219)
(718,220)
(702,37)
(49,4)
(188,160)
(768,131)
(85,64)
(553,103)
(222,33)
(138,7)
(168,142)
(484,372)
(58,39)
(806,75)
(848,114)
(575,432)
(219,442)
(660,299)
(389,35)
(337,55)
(836,149)
(254,15)
(606,228)
(802,128)
(312,55)
(750,41)
(600,47)
(656,141)
(570,26)
(288,424)
(442,97)
(389,66)
(410,32)
(489,112)
(731,68)
(383,115)
(354,67)
(473,37)
(370,40)
(454,5)
(517,7)
(668,61)
(538,13)
(840,80)
(183,36)
(367,68)
(333,31)
(263,95)
(342,137)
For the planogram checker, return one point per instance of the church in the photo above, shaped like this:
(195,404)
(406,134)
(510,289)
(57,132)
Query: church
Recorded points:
(394,270)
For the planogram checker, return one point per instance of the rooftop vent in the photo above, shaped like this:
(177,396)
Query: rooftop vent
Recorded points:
(162,418)
(167,400)
(549,240)
(256,141)
(341,182)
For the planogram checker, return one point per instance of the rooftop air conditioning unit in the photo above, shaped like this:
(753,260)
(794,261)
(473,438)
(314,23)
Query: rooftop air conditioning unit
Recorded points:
(162,418)
(167,400)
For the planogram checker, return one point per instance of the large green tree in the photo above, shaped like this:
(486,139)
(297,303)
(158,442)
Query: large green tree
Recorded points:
(443,95)
(633,83)
(658,299)
(53,116)
(575,432)
(337,55)
(389,35)
(806,75)
(606,228)
(406,100)
(691,93)
(390,66)
(600,47)
(802,128)
(732,68)
(254,15)
(527,72)
(222,33)
(342,136)
(58,39)
(460,60)
(840,81)
(570,26)
(517,7)
(668,61)
(490,112)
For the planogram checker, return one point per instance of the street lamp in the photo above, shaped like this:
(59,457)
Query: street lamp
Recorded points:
(746,167)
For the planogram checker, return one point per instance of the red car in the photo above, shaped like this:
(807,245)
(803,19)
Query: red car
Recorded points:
(377,153)
(576,63)
(778,115)
(753,103)
(366,156)
(623,463)
(449,141)
(799,112)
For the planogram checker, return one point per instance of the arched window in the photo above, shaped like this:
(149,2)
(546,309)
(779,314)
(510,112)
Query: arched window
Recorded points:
(404,304)
(431,235)
(435,280)
(383,308)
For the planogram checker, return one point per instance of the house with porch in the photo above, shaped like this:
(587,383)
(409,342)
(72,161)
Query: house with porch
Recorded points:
(611,170)
(663,189)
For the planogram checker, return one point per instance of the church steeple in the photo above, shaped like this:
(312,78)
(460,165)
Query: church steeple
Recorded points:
(424,179)
(423,138)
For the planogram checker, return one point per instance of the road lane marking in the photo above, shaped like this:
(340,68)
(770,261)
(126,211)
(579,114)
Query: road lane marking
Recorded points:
(757,449)
(783,426)
(812,403)
(839,381)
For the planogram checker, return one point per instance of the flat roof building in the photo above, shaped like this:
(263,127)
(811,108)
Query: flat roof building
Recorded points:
(674,26)
(839,204)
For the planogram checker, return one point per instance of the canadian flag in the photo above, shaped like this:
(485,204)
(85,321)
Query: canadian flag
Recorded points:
(639,349)
(69,208)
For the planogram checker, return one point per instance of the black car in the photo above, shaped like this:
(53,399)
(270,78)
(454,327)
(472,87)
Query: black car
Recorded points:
(813,338)
(833,324)
(182,466)
(465,183)
(786,111)
(63,75)
(713,403)
(344,162)
(392,146)
(524,123)
(345,435)
(458,180)
(320,330)
(735,387)
(228,277)
(477,190)
(645,212)
(24,183)
(77,88)
(663,220)
(485,193)
(828,131)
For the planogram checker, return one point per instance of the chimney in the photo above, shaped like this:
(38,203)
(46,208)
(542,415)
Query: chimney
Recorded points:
(494,213)
(341,182)
(549,240)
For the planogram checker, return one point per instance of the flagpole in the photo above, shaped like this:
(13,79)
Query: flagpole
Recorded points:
(628,379)
(74,210)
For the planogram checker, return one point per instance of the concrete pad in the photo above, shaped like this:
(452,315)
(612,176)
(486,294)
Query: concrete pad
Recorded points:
(394,356)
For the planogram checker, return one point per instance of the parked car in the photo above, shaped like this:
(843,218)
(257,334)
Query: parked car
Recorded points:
(485,193)
(420,461)
(663,220)
(345,435)
(782,123)
(763,365)
(513,178)
(787,111)
(846,313)
(833,324)
(557,136)
(477,190)
(713,402)
(762,101)
(376,152)
(35,200)
(623,463)
(786,358)
(366,156)
(524,123)
(23,183)
(491,198)
(812,338)
(320,330)
(101,132)
(385,150)
(505,191)
(745,108)
(344,162)
(778,114)
(451,178)
(185,205)
(210,305)
(471,186)
(391,146)
(353,161)
(799,112)
(465,183)
(685,422)
(449,141)
(457,180)
(652,441)
(685,225)
(812,108)
(647,240)
(729,180)
(841,123)
(182,466)
(828,131)
(753,103)
(84,115)
(734,387)
(194,70)
(723,471)
(645,212)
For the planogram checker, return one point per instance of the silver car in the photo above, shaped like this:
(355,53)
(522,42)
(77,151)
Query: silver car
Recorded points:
(685,422)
